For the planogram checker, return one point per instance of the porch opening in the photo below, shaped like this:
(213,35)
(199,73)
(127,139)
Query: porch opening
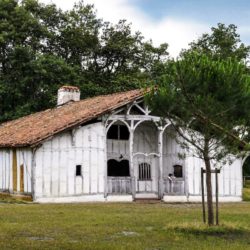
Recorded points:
(118,168)
(246,172)
(146,160)
(118,132)
(119,180)
(173,163)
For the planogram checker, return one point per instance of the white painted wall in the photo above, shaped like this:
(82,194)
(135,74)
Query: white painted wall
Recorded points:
(24,156)
(229,179)
(56,163)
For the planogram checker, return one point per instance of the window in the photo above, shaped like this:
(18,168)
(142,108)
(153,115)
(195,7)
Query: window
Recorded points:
(118,168)
(118,132)
(144,171)
(78,170)
(178,171)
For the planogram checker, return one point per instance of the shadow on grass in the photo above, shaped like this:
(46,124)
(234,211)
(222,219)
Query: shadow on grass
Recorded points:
(222,232)
(246,193)
(7,198)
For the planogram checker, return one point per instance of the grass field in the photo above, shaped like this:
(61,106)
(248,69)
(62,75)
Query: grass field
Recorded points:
(121,226)
(246,191)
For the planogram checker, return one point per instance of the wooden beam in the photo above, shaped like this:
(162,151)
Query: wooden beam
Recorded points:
(213,171)
(106,165)
(131,149)
(160,151)
(135,117)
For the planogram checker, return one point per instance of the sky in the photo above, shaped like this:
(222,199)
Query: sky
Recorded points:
(176,22)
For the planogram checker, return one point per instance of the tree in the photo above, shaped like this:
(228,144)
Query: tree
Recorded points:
(207,100)
(223,42)
(43,47)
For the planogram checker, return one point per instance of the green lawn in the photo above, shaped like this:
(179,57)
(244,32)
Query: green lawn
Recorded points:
(246,191)
(121,226)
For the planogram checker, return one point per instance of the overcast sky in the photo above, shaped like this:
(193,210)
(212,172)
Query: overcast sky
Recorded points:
(177,22)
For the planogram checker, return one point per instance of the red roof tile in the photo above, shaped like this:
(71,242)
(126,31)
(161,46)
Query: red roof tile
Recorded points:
(34,128)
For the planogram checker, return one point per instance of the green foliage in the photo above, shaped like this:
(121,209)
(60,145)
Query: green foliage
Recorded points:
(209,98)
(205,95)
(246,168)
(223,42)
(207,101)
(43,48)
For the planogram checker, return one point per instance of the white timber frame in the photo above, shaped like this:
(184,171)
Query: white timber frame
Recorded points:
(132,121)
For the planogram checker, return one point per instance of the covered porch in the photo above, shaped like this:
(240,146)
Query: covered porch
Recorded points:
(142,156)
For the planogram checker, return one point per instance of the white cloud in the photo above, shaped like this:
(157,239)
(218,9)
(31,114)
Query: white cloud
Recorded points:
(177,33)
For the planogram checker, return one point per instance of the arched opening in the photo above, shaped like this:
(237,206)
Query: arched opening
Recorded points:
(118,131)
(173,161)
(246,168)
(146,159)
(118,141)
(118,168)
(173,154)
(145,137)
(246,179)
(118,165)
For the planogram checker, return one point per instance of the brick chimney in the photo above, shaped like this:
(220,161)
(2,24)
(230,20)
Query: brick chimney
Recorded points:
(67,93)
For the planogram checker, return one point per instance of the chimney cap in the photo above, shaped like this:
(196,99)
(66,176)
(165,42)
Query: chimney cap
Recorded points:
(70,88)
(68,93)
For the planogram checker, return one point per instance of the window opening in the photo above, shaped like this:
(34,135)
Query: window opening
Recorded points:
(118,132)
(78,170)
(178,171)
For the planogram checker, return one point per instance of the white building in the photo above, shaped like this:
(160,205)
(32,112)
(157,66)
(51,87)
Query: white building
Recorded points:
(105,148)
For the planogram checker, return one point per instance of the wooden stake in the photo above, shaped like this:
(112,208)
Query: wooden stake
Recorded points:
(203,198)
(217,194)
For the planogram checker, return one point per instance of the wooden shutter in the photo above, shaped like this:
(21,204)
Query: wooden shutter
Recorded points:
(21,178)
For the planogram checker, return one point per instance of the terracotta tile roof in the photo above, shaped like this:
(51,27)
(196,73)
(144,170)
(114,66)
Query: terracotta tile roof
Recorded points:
(34,128)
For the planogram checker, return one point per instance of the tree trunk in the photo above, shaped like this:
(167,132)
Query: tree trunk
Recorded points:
(210,211)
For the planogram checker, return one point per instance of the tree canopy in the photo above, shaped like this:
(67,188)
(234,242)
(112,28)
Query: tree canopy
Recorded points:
(43,47)
(207,100)
(223,42)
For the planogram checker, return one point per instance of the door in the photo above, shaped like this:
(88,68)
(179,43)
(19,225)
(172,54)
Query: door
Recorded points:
(146,177)
(21,178)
